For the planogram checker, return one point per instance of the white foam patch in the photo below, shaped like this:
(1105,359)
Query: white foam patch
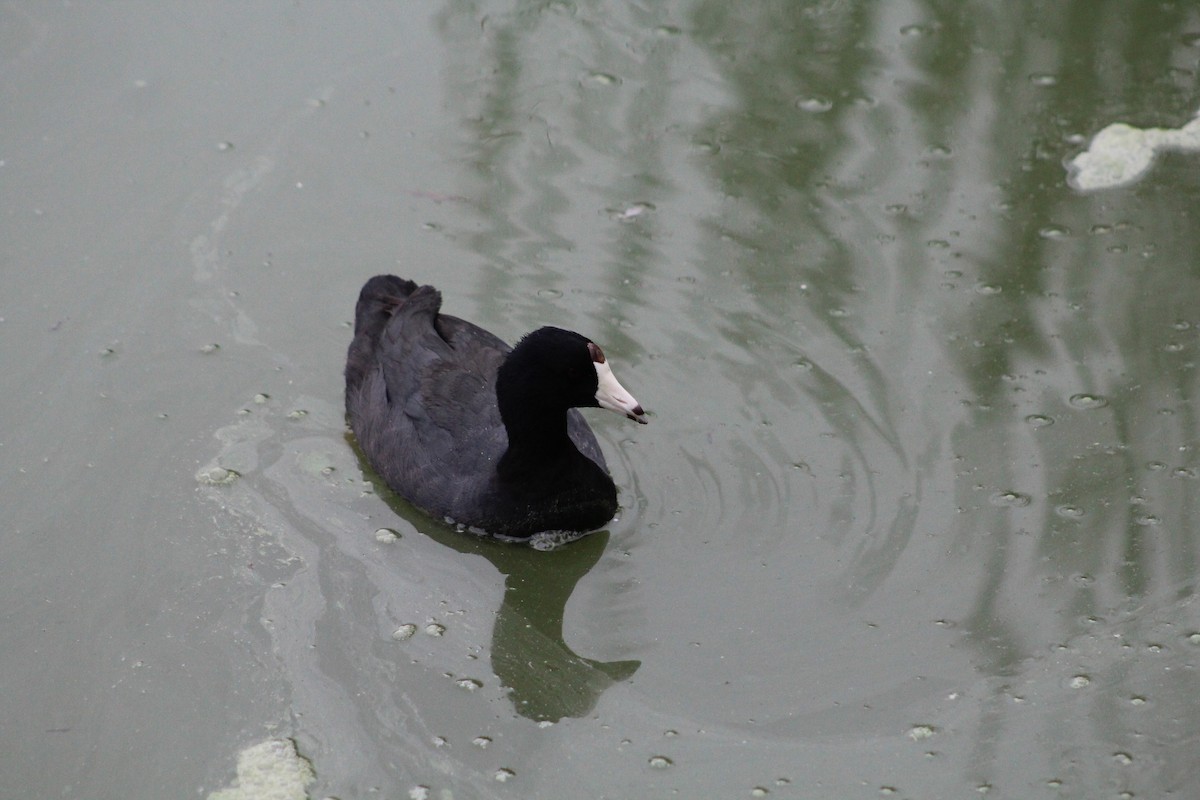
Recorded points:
(1120,154)
(270,770)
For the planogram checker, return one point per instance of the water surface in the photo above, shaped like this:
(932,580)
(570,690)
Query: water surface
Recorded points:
(913,516)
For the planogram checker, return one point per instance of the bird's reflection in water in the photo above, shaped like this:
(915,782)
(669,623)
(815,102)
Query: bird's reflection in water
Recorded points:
(546,679)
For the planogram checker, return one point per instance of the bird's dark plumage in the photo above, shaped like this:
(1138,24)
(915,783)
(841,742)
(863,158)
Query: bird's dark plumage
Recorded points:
(423,400)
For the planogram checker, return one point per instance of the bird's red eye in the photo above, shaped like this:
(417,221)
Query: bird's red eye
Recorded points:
(596,353)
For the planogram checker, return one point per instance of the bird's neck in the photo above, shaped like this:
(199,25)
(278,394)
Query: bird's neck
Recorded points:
(537,442)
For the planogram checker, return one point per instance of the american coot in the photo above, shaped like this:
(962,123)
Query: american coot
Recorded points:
(472,431)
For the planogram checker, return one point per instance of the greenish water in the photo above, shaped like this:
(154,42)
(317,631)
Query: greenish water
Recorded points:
(915,513)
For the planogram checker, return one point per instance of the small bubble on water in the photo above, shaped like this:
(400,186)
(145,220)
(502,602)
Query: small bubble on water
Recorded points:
(1039,420)
(261,398)
(1146,520)
(504,774)
(209,349)
(1069,512)
(1156,466)
(386,535)
(224,147)
(1087,402)
(1054,783)
(1043,79)
(1185,472)
(551,294)
(468,684)
(404,632)
(887,790)
(482,742)
(299,413)
(1122,758)
(1054,232)
(1194,638)
(988,289)
(1010,499)
(920,732)
(604,79)
(1137,700)
(419,793)
(1079,681)
(217,476)
(759,791)
(435,629)
(814,105)
(660,762)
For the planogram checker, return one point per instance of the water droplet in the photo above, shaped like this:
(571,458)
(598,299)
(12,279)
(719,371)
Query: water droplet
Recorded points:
(988,288)
(1194,638)
(482,742)
(1043,79)
(440,741)
(1146,520)
(1079,681)
(468,684)
(1039,420)
(887,790)
(1087,402)
(419,793)
(914,30)
(386,535)
(919,732)
(404,632)
(434,629)
(814,105)
(504,774)
(551,294)
(1122,758)
(1010,499)
(224,147)
(1069,512)
(1054,232)
(660,762)
(759,791)
(209,349)
(604,79)
(1054,783)
(261,398)
(299,413)
(630,212)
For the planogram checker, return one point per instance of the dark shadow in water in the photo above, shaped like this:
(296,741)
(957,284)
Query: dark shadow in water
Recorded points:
(546,679)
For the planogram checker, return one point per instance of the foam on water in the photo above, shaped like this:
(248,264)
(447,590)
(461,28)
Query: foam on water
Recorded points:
(270,770)
(1120,154)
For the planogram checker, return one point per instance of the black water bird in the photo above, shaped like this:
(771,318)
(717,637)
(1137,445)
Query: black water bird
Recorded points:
(472,431)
